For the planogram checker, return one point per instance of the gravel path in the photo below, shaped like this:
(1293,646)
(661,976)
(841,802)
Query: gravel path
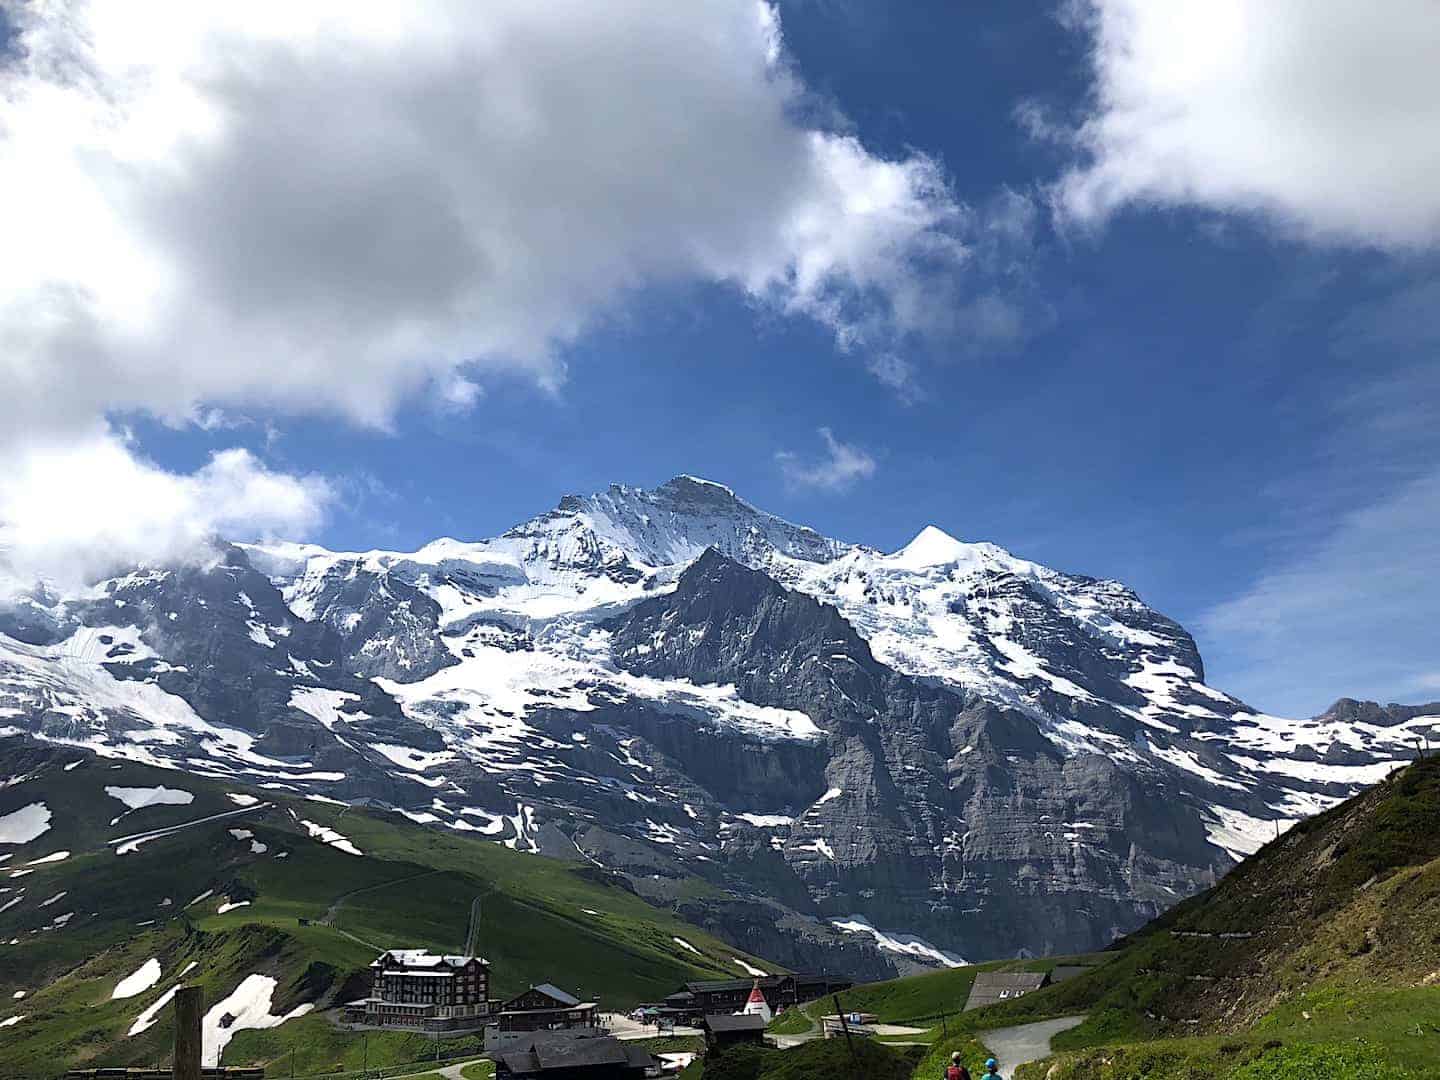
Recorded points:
(1014,1046)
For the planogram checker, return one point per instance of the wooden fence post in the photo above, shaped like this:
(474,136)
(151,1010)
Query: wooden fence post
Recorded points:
(189,1008)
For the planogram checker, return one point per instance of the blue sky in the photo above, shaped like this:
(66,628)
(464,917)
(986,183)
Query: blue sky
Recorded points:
(1220,391)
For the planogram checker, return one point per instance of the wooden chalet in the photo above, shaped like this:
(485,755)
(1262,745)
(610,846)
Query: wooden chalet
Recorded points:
(545,1008)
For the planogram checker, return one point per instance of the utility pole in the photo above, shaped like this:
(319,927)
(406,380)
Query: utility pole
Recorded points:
(189,1007)
(845,1027)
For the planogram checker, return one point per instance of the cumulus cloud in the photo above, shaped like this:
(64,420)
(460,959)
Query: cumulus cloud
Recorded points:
(1322,114)
(217,210)
(75,511)
(837,470)
(334,204)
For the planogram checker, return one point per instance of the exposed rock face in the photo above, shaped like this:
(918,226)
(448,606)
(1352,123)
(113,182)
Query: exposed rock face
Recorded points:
(387,627)
(1348,710)
(951,817)
(835,757)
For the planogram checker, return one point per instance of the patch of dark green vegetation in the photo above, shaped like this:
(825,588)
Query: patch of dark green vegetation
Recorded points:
(821,1059)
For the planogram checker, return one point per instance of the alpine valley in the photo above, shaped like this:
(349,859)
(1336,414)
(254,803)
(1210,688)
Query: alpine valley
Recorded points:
(825,755)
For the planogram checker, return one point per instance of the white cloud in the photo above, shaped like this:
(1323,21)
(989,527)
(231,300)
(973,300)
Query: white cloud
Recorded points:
(1356,611)
(897,373)
(216,210)
(1323,114)
(77,510)
(842,465)
(331,205)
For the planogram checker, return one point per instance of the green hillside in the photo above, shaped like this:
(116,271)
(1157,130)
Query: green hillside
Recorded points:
(543,920)
(1318,956)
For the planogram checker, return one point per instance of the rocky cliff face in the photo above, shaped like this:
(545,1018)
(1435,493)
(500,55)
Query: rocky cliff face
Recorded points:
(833,756)
(937,810)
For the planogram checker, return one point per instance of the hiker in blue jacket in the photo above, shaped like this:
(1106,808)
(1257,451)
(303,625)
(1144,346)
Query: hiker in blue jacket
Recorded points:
(992,1067)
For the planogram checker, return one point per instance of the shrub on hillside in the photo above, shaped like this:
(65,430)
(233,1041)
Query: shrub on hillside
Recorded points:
(1308,1061)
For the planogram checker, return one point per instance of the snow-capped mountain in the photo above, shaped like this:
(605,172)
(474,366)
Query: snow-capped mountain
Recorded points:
(869,759)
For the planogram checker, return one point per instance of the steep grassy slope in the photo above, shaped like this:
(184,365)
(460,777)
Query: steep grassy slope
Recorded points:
(920,1000)
(542,919)
(1324,946)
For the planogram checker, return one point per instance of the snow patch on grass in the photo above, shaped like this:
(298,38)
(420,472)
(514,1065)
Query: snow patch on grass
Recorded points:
(142,979)
(247,1008)
(137,797)
(329,836)
(26,824)
(147,1019)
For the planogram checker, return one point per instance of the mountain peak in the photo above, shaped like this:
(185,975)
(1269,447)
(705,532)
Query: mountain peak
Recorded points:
(686,480)
(687,490)
(932,546)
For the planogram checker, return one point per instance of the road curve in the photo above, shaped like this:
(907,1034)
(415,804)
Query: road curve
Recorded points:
(1014,1046)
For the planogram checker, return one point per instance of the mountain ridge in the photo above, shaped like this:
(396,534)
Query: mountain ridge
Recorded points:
(1075,767)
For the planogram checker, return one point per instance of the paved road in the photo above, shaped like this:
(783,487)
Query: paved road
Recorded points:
(622,1027)
(785,1042)
(1014,1046)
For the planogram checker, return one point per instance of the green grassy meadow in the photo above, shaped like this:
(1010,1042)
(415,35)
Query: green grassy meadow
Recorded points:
(313,919)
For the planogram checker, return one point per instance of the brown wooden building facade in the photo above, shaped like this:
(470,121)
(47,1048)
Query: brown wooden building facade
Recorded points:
(545,1007)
